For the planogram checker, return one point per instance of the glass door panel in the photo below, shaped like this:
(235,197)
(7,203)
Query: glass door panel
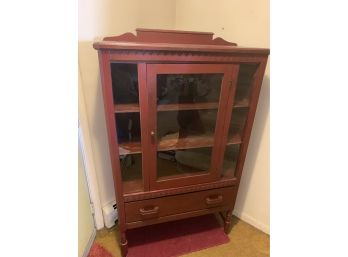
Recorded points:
(187,109)
(184,140)
(127,118)
(178,163)
(188,89)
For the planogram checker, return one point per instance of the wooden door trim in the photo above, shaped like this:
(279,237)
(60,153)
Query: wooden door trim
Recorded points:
(191,179)
(144,128)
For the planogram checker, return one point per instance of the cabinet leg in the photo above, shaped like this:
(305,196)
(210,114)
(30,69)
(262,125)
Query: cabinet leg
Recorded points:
(124,244)
(227,225)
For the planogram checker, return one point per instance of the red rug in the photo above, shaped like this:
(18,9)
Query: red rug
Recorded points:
(98,251)
(175,238)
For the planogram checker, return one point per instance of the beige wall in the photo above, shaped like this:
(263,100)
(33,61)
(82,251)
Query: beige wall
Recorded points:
(247,24)
(96,20)
(85,221)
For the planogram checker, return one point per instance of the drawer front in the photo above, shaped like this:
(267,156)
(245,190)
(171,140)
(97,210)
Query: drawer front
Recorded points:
(169,205)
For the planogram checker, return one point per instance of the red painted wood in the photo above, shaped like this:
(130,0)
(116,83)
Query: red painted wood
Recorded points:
(182,57)
(163,51)
(144,113)
(104,63)
(179,190)
(178,216)
(111,45)
(170,205)
(170,36)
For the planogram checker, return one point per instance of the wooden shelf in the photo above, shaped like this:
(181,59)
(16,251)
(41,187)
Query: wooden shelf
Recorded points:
(129,148)
(133,186)
(187,106)
(122,108)
(193,142)
(234,140)
(177,143)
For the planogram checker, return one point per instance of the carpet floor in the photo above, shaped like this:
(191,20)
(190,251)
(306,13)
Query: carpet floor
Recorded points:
(245,241)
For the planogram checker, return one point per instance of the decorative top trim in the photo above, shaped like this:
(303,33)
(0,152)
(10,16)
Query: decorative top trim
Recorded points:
(171,37)
(173,40)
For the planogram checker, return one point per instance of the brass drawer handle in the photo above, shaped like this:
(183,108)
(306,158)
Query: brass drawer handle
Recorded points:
(145,211)
(210,200)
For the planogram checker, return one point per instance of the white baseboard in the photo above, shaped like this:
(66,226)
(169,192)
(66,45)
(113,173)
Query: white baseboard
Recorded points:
(252,221)
(90,243)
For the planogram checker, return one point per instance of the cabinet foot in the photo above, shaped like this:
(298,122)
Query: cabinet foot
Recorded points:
(124,245)
(227,223)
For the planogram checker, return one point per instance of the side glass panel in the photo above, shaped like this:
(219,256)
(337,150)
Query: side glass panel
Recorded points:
(187,106)
(127,117)
(238,119)
(244,84)
(125,83)
(230,161)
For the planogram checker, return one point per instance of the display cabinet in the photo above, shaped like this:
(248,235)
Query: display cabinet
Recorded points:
(179,110)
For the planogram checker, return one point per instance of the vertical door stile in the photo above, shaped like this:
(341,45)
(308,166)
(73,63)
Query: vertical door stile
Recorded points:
(151,150)
(144,114)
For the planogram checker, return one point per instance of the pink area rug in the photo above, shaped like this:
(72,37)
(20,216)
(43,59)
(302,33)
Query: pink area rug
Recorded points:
(175,238)
(98,251)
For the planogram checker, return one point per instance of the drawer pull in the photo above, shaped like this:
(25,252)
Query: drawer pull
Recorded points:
(146,211)
(210,200)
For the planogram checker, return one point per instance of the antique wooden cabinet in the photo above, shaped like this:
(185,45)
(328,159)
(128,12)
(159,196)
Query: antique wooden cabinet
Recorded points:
(179,110)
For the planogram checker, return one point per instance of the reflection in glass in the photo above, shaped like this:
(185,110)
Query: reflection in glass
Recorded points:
(128,127)
(188,88)
(244,83)
(180,129)
(183,162)
(130,167)
(125,83)
(230,161)
(237,123)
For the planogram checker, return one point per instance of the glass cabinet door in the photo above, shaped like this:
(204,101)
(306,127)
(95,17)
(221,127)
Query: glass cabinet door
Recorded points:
(188,101)
(237,120)
(127,118)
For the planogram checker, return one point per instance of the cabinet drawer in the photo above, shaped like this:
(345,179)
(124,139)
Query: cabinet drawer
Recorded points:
(169,205)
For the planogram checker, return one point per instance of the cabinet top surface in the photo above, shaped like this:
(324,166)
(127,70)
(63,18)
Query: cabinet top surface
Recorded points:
(173,40)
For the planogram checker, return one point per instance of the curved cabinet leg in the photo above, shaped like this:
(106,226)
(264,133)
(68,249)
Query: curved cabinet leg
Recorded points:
(227,225)
(124,244)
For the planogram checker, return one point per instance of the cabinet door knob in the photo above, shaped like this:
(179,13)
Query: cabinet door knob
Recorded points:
(152,133)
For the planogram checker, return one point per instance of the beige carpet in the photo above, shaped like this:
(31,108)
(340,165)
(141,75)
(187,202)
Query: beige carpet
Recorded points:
(245,241)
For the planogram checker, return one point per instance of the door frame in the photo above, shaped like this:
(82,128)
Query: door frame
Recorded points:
(228,87)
